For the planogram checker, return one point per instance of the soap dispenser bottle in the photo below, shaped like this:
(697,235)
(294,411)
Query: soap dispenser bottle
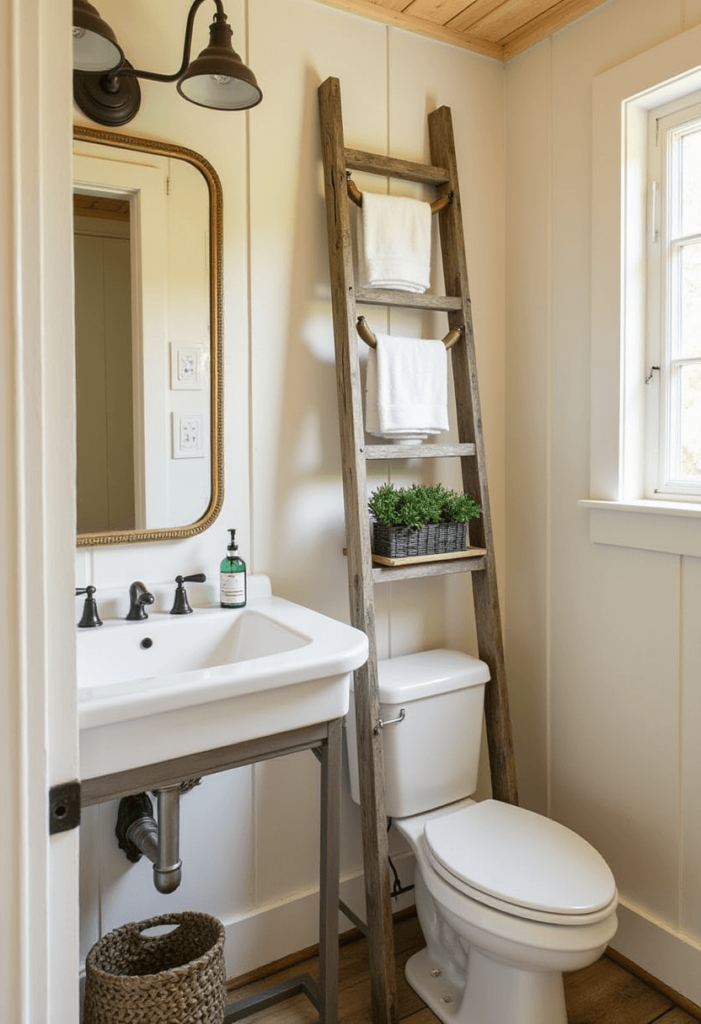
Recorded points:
(232,589)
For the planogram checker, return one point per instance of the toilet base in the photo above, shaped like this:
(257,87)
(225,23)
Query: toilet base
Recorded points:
(429,982)
(495,993)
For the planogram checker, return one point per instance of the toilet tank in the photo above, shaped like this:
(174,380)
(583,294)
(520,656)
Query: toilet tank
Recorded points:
(432,755)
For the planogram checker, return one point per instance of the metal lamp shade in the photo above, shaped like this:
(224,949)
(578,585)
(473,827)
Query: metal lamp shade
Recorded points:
(218,78)
(95,46)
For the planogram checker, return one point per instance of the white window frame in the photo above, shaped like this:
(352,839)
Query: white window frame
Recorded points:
(667,126)
(622,99)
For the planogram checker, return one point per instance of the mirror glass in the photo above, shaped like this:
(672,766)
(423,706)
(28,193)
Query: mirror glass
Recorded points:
(148,338)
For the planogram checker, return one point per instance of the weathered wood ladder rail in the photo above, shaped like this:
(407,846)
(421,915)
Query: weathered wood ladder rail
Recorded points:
(362,576)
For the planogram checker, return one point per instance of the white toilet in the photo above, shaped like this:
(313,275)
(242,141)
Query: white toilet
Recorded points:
(507,899)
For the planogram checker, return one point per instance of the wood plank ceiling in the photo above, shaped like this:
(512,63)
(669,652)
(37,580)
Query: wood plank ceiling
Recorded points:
(497,28)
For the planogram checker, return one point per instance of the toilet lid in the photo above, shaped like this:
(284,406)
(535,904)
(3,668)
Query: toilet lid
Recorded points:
(499,853)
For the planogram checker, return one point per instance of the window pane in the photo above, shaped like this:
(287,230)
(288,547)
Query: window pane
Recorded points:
(690,423)
(690,301)
(691,183)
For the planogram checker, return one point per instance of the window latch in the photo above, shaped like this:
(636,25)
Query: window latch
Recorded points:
(650,374)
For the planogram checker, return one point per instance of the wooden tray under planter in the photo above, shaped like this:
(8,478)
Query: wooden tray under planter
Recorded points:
(414,559)
(410,542)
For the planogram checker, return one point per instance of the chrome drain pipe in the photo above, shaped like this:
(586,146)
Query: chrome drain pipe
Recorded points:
(140,834)
(160,841)
(168,868)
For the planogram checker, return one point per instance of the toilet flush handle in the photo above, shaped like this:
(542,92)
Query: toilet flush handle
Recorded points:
(390,721)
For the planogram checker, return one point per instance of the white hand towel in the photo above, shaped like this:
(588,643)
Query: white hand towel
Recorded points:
(406,388)
(395,244)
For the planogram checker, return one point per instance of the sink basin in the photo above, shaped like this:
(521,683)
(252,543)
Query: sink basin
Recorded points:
(171,686)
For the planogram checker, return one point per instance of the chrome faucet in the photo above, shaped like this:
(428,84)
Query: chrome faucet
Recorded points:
(138,597)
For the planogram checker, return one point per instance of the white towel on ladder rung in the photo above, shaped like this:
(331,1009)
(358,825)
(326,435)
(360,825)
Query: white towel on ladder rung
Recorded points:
(395,243)
(406,388)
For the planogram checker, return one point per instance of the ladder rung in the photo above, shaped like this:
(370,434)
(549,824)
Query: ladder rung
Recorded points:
(407,572)
(375,163)
(409,300)
(417,451)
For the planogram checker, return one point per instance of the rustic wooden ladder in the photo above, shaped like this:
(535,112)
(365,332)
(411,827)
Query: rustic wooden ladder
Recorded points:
(362,575)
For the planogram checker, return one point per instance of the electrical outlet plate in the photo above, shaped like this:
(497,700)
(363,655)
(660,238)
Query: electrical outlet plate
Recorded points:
(185,367)
(188,435)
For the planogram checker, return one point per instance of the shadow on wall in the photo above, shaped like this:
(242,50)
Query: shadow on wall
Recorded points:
(310,566)
(308,478)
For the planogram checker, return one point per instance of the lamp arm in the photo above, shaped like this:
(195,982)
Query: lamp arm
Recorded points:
(153,75)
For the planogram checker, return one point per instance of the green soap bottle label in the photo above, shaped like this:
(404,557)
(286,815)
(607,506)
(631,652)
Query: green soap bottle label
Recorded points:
(233,587)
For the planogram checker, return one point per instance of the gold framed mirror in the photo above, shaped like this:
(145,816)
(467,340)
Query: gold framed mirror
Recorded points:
(149,333)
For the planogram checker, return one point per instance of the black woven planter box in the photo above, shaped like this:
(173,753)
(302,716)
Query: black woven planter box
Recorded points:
(410,541)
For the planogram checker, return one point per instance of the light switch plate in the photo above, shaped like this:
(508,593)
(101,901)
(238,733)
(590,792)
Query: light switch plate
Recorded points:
(185,367)
(188,435)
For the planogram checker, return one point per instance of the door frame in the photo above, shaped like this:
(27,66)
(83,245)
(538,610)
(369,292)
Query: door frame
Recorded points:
(38,724)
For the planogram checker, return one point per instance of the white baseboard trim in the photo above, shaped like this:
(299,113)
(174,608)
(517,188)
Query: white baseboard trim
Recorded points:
(271,932)
(277,930)
(671,956)
(280,929)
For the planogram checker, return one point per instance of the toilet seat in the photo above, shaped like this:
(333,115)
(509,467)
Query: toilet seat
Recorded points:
(521,863)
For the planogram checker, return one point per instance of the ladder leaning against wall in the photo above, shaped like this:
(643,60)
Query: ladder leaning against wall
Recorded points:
(363,576)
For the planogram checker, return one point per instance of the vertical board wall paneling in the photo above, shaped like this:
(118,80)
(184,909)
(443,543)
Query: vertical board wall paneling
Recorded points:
(613,615)
(527,412)
(690,752)
(298,529)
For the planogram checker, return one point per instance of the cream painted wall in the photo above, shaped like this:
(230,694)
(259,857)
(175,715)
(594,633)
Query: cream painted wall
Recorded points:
(602,669)
(257,869)
(602,646)
(603,657)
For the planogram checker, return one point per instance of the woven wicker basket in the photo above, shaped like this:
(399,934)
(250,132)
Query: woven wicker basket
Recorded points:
(175,978)
(410,541)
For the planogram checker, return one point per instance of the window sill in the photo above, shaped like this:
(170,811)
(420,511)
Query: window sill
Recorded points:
(672,527)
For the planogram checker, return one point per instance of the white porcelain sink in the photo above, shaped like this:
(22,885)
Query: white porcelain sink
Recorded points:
(175,685)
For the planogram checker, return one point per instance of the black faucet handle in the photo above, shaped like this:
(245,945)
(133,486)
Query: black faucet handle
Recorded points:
(90,615)
(181,605)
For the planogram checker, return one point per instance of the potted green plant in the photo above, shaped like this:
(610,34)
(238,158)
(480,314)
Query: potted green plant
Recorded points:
(419,520)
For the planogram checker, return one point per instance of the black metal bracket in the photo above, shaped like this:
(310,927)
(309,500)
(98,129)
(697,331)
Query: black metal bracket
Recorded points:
(107,97)
(64,807)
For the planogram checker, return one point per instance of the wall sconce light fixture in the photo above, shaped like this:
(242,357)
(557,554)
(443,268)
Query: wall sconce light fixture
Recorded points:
(106,87)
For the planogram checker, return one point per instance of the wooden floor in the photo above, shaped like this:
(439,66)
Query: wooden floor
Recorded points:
(604,993)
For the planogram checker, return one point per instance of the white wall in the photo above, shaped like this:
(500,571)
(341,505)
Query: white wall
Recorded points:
(602,653)
(602,646)
(257,870)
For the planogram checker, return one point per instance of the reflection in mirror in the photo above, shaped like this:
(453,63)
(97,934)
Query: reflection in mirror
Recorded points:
(107,488)
(147,220)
